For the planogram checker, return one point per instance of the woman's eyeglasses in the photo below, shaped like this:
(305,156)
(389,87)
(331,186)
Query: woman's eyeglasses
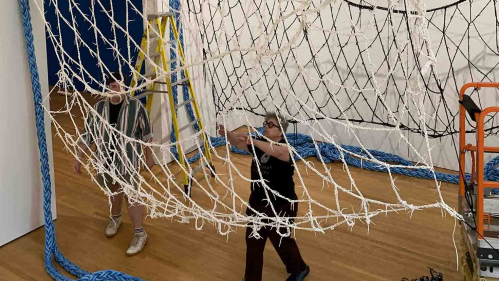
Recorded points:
(269,124)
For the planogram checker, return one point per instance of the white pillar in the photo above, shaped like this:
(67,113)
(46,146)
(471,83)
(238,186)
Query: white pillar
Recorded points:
(21,188)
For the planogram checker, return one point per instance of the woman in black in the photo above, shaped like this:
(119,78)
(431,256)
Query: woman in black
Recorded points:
(276,168)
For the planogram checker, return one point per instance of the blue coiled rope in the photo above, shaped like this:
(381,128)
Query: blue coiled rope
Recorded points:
(176,8)
(305,147)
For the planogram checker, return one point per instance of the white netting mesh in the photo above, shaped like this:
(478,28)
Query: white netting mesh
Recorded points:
(331,67)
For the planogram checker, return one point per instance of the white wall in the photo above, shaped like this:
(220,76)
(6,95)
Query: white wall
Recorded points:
(21,188)
(224,21)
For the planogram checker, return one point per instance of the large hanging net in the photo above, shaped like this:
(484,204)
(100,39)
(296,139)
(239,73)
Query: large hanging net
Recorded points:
(355,79)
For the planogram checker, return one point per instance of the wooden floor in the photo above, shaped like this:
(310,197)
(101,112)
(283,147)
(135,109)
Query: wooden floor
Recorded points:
(396,246)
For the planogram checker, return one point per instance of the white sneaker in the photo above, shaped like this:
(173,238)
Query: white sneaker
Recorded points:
(138,243)
(113,226)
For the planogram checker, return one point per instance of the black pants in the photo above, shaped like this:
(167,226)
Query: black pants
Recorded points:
(286,247)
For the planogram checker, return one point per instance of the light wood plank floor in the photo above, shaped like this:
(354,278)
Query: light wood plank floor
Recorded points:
(395,247)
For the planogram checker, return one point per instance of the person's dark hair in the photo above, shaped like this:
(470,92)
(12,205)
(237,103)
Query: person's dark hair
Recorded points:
(283,122)
(116,77)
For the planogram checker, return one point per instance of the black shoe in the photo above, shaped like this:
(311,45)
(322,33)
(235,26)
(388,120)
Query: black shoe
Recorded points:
(300,275)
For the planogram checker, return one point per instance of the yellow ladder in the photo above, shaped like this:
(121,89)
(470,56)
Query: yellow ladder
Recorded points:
(159,23)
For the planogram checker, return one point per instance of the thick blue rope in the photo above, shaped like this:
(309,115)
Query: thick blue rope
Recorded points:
(305,147)
(51,249)
(176,6)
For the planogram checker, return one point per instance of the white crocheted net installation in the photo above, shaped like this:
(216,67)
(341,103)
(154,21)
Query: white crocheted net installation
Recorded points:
(162,192)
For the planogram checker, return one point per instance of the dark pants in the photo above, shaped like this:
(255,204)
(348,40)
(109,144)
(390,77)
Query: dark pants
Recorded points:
(286,247)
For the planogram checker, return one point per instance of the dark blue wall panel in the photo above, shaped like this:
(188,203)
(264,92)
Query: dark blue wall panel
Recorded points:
(87,32)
